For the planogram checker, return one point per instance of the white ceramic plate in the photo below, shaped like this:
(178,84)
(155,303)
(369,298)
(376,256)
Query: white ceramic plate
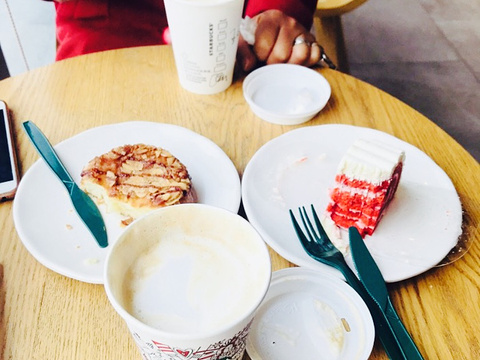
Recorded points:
(307,314)
(48,225)
(421,225)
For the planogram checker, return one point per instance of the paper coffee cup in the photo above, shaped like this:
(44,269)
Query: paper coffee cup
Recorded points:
(187,280)
(204,37)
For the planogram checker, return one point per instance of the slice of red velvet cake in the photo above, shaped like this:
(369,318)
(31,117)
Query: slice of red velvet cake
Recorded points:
(366,181)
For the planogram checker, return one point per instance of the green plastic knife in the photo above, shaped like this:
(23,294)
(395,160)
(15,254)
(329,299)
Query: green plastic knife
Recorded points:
(83,204)
(372,279)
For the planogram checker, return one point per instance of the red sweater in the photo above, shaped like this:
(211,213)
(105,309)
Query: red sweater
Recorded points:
(86,26)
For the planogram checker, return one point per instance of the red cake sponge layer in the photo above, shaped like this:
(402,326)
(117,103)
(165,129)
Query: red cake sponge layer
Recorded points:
(365,184)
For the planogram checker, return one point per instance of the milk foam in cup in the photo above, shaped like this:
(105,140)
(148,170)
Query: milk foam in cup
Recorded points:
(187,280)
(204,37)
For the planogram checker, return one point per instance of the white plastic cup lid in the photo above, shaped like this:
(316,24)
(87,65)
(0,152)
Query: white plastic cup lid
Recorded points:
(308,314)
(286,94)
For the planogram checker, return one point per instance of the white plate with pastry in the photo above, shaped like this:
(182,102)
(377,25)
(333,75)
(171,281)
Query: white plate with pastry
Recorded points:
(421,225)
(48,225)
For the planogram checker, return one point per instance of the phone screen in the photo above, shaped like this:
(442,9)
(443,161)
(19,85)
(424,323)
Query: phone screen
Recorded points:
(6,171)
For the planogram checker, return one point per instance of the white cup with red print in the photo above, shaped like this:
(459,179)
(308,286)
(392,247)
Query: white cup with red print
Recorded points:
(187,280)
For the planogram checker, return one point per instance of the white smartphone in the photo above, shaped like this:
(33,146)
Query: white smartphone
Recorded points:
(8,159)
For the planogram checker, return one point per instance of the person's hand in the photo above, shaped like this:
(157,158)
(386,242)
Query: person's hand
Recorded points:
(278,39)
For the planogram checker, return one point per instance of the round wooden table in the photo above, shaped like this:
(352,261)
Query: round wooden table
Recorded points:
(44,315)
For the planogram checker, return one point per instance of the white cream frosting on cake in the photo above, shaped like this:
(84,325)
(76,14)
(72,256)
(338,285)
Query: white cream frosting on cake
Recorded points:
(370,161)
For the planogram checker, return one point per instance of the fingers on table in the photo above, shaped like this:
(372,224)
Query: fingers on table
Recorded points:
(282,39)
(245,56)
(305,51)
(285,44)
(285,49)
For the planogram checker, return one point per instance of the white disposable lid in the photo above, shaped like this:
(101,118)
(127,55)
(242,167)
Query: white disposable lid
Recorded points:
(310,315)
(286,94)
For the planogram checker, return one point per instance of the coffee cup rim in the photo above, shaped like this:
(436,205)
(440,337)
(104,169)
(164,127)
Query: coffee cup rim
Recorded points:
(194,336)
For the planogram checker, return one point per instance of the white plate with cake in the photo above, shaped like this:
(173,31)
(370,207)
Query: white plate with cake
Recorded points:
(420,226)
(50,228)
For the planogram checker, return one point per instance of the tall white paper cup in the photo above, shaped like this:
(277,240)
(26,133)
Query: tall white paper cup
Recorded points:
(187,280)
(204,37)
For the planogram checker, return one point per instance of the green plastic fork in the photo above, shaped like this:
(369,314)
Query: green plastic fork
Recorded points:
(319,247)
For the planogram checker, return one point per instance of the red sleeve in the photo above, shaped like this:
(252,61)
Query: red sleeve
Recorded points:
(301,10)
